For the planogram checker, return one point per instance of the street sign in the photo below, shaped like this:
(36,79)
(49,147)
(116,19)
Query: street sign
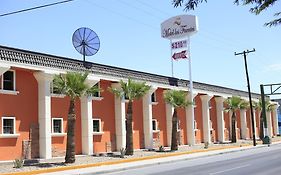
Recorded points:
(180,55)
(179,44)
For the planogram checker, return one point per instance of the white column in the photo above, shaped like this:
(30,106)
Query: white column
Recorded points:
(255,122)
(44,114)
(220,118)
(87,121)
(120,118)
(269,123)
(243,122)
(147,119)
(275,120)
(169,116)
(189,113)
(206,118)
(3,69)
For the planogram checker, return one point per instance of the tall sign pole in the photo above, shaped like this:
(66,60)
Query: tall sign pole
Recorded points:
(178,30)
(266,138)
(249,92)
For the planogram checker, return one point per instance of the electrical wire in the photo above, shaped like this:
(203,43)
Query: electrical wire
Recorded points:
(34,8)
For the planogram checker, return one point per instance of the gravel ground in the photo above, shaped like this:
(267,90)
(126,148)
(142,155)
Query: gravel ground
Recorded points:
(8,167)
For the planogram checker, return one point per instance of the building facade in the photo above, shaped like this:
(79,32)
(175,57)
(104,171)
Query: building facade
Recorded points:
(33,119)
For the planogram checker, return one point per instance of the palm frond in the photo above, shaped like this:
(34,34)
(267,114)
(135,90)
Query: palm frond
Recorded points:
(73,84)
(176,98)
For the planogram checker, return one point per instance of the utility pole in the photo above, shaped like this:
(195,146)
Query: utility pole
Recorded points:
(249,91)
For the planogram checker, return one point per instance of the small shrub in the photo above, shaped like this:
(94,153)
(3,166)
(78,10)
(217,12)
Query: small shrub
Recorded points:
(18,163)
(161,148)
(206,145)
(122,152)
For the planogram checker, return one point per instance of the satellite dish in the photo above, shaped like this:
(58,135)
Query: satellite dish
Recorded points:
(86,42)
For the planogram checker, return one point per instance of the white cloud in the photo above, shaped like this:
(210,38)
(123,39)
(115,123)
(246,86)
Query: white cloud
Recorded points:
(273,68)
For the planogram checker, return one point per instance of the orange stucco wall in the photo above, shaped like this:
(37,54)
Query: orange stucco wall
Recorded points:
(104,109)
(24,108)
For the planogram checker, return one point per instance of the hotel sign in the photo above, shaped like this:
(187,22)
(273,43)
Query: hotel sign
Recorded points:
(179,27)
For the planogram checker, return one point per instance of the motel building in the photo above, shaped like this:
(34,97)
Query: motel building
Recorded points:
(33,119)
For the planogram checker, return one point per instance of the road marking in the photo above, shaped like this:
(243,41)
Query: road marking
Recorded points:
(229,169)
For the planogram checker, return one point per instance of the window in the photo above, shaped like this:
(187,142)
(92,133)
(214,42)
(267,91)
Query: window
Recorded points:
(96,125)
(8,125)
(154,125)
(97,94)
(8,80)
(153,97)
(57,124)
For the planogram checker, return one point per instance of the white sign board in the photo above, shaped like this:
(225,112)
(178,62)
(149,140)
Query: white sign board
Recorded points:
(179,27)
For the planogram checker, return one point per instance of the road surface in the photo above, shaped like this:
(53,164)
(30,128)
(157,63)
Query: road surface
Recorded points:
(260,161)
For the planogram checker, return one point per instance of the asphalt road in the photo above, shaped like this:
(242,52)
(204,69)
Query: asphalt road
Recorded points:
(260,161)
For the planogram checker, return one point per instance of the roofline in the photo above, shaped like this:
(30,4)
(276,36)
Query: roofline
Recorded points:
(118,68)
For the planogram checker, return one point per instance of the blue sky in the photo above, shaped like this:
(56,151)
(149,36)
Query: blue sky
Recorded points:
(130,37)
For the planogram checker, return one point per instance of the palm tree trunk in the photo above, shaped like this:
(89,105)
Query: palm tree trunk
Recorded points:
(233,124)
(261,127)
(129,130)
(174,141)
(70,145)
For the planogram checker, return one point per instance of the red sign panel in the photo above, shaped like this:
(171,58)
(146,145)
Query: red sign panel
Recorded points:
(180,55)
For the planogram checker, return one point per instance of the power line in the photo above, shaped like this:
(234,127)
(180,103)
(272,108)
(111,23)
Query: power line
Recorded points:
(120,14)
(34,8)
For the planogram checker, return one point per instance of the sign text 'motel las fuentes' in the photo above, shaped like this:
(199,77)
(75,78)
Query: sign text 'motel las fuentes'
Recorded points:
(179,27)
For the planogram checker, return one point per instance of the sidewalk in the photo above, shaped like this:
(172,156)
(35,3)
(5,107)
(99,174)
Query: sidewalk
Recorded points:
(102,163)
(152,161)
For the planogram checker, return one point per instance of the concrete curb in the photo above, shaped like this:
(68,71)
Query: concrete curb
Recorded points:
(176,155)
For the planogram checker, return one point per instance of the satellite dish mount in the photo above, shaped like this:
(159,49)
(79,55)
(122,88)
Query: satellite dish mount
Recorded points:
(86,42)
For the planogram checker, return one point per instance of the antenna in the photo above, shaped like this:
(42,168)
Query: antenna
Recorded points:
(86,42)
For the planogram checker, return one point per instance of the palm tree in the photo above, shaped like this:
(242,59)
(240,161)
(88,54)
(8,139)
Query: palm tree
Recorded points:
(130,91)
(73,85)
(233,104)
(178,100)
(268,107)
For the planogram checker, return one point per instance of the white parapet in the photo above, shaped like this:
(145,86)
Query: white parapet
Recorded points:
(44,114)
(220,118)
(206,118)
